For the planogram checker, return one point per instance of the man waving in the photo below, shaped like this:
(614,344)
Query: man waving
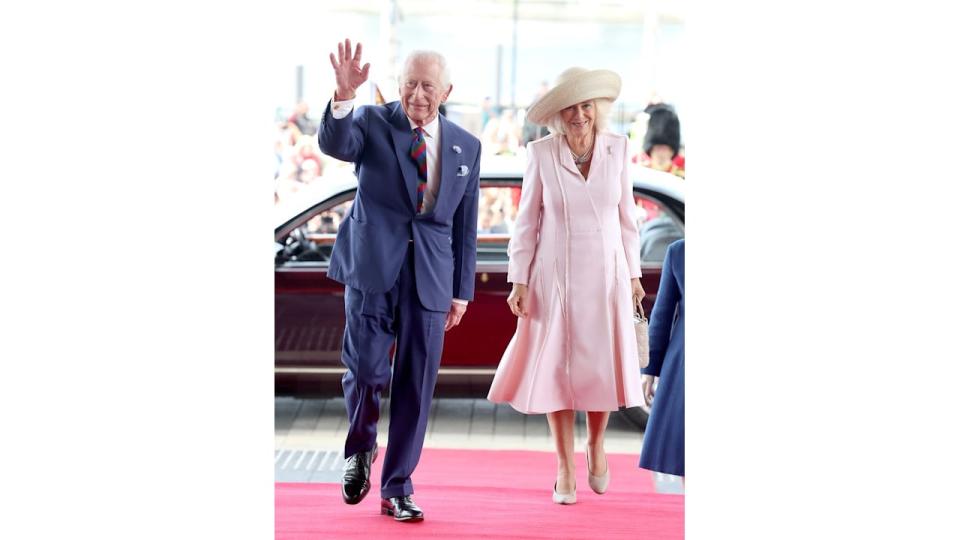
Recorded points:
(407,255)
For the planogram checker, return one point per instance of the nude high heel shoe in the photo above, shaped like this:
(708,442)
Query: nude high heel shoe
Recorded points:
(597,483)
(564,498)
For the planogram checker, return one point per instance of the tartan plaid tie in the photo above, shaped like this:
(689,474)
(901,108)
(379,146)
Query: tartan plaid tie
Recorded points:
(418,151)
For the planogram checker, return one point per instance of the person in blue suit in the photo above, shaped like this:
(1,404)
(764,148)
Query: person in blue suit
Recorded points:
(406,253)
(663,440)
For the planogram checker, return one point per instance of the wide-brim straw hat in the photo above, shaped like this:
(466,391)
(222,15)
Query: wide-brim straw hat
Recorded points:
(573,86)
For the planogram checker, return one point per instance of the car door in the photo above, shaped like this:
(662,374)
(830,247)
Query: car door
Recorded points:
(308,305)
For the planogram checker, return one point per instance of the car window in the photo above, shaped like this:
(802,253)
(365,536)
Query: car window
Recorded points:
(658,229)
(496,218)
(311,242)
(496,213)
(497,210)
(328,221)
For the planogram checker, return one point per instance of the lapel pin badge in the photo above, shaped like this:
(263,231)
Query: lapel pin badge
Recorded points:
(457,149)
(463,170)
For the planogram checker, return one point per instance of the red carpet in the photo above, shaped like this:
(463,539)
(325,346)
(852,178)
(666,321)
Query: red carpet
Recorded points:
(489,494)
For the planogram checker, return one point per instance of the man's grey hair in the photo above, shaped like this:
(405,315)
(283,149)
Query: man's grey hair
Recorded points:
(601,116)
(428,56)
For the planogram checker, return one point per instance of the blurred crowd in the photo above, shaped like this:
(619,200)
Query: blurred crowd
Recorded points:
(298,158)
(654,136)
(655,139)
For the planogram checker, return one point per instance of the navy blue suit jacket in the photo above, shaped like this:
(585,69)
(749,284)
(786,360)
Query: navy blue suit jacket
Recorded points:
(667,320)
(372,241)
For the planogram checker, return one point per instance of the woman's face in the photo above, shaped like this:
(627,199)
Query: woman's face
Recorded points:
(578,119)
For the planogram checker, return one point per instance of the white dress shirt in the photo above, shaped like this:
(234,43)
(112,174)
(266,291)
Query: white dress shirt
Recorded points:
(431,135)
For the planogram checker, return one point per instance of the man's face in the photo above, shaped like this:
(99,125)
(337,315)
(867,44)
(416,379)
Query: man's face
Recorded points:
(661,156)
(420,91)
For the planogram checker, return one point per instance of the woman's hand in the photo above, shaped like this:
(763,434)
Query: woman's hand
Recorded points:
(638,293)
(518,300)
(647,382)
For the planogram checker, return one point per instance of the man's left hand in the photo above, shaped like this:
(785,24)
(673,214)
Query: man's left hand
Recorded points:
(454,315)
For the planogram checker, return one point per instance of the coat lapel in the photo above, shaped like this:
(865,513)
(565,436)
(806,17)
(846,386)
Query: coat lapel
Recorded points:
(402,140)
(601,153)
(566,158)
(449,162)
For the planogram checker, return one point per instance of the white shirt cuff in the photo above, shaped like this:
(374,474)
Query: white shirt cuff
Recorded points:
(340,109)
(461,302)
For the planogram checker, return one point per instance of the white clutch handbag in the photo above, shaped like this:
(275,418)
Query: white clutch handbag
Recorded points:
(643,338)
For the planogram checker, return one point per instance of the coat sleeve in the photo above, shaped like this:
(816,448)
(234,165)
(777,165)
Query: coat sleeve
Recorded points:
(664,310)
(523,244)
(629,232)
(465,232)
(343,139)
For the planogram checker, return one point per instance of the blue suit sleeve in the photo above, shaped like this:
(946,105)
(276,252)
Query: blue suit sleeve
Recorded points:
(343,139)
(661,320)
(465,236)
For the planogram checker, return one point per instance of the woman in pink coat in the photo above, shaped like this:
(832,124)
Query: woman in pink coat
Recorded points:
(575,270)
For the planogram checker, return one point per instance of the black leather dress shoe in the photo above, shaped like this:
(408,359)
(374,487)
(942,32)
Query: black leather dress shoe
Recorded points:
(356,475)
(401,508)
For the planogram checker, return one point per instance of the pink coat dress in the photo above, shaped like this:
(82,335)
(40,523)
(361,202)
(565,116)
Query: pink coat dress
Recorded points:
(575,246)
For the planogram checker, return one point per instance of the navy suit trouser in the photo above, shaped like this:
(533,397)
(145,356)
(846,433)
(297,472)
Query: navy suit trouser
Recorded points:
(373,322)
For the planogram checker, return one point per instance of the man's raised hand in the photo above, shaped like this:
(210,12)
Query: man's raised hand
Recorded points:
(346,66)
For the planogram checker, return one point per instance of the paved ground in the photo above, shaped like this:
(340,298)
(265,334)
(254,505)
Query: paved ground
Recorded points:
(454,423)
(309,434)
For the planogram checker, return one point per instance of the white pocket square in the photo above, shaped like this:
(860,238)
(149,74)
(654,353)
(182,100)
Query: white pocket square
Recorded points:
(463,170)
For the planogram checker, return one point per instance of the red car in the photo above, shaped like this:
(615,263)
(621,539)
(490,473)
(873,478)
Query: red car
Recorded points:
(309,311)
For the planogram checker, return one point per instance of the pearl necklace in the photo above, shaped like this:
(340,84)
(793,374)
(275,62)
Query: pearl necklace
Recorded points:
(585,157)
